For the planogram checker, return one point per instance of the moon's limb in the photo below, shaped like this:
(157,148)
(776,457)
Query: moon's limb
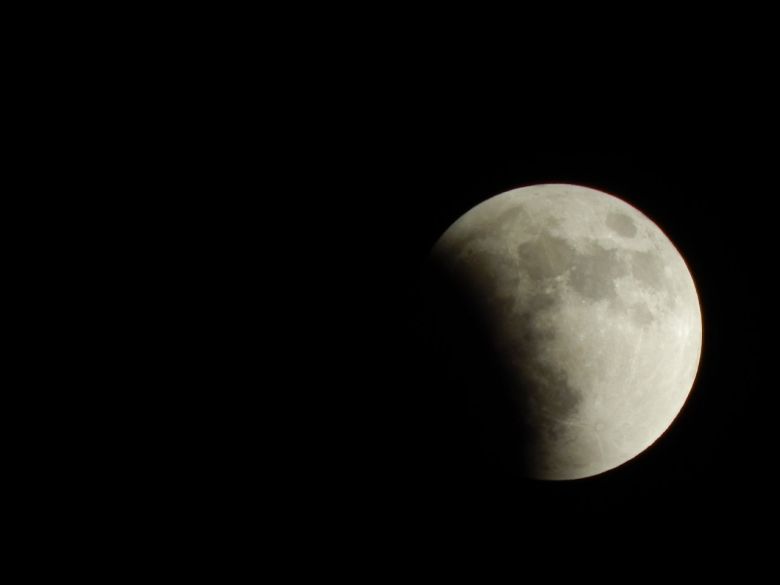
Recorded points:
(593,313)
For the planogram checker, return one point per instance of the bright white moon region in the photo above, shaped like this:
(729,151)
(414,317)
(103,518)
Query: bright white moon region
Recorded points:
(592,311)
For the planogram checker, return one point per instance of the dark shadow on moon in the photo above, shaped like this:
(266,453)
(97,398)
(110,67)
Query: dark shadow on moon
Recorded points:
(501,403)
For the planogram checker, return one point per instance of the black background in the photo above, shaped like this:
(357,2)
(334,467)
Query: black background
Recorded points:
(274,193)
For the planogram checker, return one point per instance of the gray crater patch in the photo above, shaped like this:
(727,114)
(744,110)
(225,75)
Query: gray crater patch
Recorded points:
(648,269)
(594,273)
(621,224)
(546,256)
(509,217)
(641,315)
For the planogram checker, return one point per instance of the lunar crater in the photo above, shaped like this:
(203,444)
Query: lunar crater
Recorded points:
(648,269)
(546,256)
(621,224)
(594,273)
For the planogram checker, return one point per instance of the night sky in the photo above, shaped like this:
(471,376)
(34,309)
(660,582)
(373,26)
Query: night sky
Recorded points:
(274,193)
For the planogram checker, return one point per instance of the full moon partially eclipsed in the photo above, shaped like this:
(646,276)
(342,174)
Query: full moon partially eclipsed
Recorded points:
(589,312)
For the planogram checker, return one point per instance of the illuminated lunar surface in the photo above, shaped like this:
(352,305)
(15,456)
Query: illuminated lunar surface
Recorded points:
(592,312)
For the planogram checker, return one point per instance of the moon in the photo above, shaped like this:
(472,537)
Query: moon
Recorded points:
(591,314)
